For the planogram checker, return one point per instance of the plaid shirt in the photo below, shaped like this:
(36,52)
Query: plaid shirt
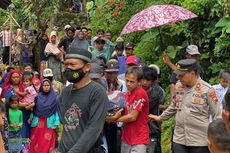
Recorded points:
(6,38)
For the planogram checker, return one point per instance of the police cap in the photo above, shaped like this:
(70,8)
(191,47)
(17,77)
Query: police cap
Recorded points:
(185,65)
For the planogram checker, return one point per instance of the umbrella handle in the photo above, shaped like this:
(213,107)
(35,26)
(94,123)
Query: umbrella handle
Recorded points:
(161,39)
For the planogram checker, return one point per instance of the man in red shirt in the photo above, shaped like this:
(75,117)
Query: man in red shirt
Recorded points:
(135,136)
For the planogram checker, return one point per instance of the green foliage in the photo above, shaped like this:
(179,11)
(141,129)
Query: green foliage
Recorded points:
(167,128)
(35,14)
(3,15)
(210,31)
(75,19)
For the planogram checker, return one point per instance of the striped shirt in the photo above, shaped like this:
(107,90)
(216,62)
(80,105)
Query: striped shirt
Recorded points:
(6,38)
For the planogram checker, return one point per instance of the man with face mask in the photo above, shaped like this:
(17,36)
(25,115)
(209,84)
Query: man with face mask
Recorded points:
(82,106)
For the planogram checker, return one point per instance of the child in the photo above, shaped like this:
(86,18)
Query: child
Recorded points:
(29,92)
(149,84)
(135,134)
(44,120)
(15,124)
(222,87)
(4,128)
(218,137)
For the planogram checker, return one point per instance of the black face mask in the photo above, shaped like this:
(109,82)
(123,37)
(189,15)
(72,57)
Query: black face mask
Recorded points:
(74,76)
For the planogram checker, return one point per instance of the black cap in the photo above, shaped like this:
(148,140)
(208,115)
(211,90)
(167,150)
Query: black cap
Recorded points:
(99,41)
(129,45)
(95,71)
(79,53)
(112,66)
(185,65)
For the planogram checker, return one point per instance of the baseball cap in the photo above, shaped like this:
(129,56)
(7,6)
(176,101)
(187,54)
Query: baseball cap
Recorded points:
(119,39)
(192,50)
(53,33)
(131,60)
(55,28)
(156,67)
(112,66)
(185,65)
(79,53)
(129,45)
(67,26)
(47,72)
(95,71)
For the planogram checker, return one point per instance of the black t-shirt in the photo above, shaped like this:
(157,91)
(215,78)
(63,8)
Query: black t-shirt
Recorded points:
(82,113)
(154,102)
(65,42)
(173,79)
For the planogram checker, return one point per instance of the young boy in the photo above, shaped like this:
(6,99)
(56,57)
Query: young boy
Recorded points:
(119,49)
(152,88)
(135,136)
(218,137)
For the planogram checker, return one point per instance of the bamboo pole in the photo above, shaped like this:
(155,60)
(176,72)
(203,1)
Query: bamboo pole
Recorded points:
(11,36)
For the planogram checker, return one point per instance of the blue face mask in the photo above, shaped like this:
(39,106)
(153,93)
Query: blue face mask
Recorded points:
(74,76)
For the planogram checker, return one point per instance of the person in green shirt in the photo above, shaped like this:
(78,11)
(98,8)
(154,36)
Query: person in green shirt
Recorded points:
(100,49)
(15,124)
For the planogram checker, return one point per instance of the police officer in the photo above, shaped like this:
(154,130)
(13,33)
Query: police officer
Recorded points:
(193,103)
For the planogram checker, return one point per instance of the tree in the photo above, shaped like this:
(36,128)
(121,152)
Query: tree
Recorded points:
(210,31)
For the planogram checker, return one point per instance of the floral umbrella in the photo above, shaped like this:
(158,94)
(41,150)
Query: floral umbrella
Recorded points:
(155,16)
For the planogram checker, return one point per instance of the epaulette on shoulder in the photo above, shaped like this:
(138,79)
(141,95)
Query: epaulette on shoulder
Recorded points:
(207,85)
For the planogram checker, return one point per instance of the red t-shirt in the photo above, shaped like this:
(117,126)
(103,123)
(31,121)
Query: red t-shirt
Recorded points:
(137,132)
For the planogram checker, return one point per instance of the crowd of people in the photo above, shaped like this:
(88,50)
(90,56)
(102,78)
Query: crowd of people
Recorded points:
(92,95)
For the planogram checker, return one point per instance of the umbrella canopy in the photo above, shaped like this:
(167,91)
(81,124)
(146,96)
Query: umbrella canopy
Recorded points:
(155,16)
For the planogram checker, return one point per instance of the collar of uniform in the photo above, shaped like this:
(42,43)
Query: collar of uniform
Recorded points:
(190,89)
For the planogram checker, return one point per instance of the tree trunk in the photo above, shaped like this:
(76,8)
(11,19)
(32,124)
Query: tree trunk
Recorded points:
(84,6)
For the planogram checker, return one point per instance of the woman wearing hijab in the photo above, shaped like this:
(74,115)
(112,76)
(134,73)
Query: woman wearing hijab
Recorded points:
(12,85)
(44,120)
(54,57)
(80,41)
